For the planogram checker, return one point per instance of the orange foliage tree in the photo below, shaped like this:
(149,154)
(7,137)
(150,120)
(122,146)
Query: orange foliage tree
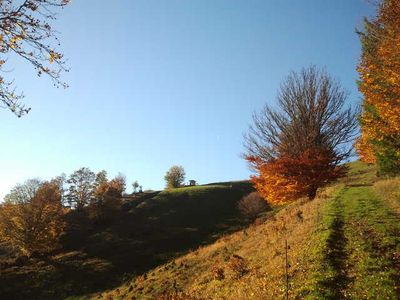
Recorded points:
(364,149)
(379,71)
(300,146)
(286,178)
(32,217)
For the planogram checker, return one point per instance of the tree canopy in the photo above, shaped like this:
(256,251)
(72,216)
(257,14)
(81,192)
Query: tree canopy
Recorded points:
(32,217)
(299,146)
(175,177)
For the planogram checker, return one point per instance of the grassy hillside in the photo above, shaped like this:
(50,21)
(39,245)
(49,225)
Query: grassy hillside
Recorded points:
(151,229)
(190,243)
(343,245)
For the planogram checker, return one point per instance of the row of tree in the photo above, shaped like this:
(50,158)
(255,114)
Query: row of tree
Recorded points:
(379,71)
(32,216)
(84,187)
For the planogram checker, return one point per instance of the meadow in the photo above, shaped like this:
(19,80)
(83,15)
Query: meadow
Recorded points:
(344,244)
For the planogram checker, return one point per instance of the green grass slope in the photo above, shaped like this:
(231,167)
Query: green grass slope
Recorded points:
(151,229)
(360,248)
(345,244)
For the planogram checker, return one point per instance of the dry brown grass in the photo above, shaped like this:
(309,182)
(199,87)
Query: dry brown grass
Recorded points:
(389,191)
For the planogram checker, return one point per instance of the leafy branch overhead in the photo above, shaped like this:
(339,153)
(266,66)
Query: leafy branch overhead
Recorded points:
(25,31)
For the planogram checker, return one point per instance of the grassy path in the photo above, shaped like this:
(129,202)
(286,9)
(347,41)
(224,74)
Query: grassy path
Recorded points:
(360,253)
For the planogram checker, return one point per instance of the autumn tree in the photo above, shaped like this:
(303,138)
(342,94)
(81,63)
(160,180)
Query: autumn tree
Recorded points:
(26,32)
(287,178)
(32,217)
(100,184)
(101,177)
(81,188)
(61,182)
(100,187)
(379,83)
(299,146)
(117,185)
(107,201)
(175,177)
(23,192)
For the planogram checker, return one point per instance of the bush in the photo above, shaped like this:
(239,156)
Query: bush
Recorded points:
(217,272)
(251,205)
(238,266)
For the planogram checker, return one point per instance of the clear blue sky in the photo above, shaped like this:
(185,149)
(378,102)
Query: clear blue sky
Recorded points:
(158,83)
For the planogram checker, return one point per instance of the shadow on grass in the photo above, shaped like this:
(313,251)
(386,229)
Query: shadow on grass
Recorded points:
(335,257)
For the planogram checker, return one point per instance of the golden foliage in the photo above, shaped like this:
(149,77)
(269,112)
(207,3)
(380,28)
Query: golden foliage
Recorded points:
(34,225)
(364,150)
(379,71)
(107,199)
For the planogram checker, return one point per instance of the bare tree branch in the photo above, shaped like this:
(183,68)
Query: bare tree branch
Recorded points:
(310,114)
